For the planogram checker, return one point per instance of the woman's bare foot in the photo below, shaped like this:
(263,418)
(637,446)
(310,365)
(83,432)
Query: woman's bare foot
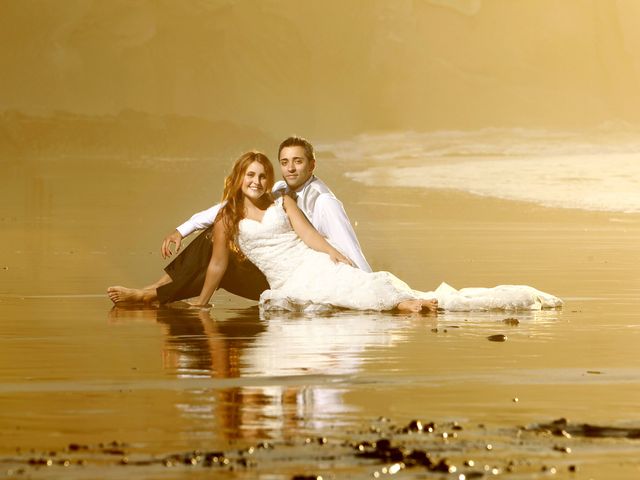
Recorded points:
(130,295)
(430,305)
(417,306)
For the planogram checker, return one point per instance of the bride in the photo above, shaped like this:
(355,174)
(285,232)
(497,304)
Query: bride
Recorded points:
(306,273)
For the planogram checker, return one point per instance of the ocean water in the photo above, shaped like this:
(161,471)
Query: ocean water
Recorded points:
(595,170)
(101,386)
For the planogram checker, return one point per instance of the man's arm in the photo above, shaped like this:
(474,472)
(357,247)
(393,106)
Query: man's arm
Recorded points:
(331,221)
(198,221)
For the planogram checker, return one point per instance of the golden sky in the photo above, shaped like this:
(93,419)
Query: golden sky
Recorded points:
(327,67)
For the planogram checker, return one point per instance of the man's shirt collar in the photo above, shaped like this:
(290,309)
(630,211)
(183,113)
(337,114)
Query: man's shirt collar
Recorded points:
(304,185)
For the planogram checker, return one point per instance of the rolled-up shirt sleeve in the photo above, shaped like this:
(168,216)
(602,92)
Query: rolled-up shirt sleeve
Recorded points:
(279,187)
(199,221)
(205,218)
(332,222)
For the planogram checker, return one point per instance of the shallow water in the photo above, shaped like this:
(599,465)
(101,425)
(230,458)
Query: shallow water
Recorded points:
(167,381)
(171,380)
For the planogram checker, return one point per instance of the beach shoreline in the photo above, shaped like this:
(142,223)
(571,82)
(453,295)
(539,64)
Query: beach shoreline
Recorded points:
(167,382)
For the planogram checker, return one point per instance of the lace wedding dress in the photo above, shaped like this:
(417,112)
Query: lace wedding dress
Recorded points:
(302,279)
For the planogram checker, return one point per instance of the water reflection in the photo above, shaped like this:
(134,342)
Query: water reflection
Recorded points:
(285,364)
(528,322)
(197,345)
(291,372)
(332,345)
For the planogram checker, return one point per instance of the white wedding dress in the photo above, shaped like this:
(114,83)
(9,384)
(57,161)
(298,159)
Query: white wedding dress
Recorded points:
(302,279)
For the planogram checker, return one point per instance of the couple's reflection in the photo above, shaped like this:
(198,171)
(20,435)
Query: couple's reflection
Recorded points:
(197,345)
(280,362)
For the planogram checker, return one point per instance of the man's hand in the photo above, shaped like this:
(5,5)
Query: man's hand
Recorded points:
(337,257)
(174,238)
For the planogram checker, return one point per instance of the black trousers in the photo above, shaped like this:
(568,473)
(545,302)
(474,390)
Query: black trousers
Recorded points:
(188,271)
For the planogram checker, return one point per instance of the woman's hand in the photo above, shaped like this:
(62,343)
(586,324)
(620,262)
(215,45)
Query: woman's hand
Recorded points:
(337,257)
(191,304)
(194,304)
(308,234)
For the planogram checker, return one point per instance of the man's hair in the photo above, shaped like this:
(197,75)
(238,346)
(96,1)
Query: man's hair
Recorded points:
(298,142)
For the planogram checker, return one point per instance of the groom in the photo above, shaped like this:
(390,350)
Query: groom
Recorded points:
(321,207)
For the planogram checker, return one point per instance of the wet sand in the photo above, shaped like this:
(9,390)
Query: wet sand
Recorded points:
(165,382)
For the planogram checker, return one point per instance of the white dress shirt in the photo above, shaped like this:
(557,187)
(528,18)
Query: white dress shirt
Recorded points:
(322,209)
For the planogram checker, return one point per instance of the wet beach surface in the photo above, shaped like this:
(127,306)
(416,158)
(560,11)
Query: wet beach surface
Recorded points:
(119,119)
(162,393)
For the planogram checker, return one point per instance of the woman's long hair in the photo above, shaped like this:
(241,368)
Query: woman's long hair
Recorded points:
(233,210)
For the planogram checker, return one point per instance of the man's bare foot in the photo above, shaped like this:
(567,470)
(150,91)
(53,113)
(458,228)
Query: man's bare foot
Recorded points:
(123,312)
(128,295)
(417,306)
(163,280)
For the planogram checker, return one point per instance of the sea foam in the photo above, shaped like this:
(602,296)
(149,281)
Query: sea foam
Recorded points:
(597,170)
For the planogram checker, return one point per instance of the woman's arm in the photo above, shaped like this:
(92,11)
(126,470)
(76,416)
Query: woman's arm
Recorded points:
(308,234)
(217,265)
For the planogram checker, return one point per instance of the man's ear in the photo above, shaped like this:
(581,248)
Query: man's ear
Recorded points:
(313,165)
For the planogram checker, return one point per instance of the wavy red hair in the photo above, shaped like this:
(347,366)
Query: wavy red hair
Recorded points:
(233,210)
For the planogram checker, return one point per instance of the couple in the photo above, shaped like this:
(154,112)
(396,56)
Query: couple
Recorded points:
(290,245)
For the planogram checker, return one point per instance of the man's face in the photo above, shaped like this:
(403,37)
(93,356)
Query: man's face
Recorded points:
(296,167)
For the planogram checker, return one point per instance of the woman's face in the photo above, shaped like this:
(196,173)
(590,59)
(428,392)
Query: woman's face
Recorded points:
(254,183)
